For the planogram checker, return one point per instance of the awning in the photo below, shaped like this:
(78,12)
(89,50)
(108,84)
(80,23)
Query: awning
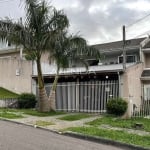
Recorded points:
(49,70)
(145,74)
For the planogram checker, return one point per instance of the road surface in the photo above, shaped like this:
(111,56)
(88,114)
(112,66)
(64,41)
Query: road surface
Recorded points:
(20,137)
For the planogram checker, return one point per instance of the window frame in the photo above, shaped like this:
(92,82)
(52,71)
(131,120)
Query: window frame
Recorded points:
(135,59)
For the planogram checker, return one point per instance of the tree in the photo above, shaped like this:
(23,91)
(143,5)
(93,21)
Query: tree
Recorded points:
(65,49)
(35,34)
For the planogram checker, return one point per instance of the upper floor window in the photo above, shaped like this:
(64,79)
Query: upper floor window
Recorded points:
(9,43)
(92,62)
(129,59)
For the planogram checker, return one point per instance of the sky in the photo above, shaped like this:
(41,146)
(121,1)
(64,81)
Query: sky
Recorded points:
(98,21)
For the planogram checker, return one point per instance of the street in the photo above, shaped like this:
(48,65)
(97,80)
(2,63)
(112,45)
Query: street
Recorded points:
(19,137)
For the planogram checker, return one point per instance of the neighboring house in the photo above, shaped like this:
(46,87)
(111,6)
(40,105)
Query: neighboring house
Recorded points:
(15,72)
(86,90)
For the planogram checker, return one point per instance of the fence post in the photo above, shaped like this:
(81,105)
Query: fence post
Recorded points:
(77,96)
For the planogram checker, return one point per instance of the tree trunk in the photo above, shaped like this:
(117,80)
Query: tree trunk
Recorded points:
(43,105)
(52,96)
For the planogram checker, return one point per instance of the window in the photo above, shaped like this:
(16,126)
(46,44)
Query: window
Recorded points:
(146,92)
(120,59)
(9,44)
(92,62)
(129,59)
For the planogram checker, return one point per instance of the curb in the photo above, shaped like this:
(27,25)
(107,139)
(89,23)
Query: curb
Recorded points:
(32,126)
(104,141)
(84,137)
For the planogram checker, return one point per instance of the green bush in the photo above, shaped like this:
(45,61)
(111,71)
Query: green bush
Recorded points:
(26,100)
(117,106)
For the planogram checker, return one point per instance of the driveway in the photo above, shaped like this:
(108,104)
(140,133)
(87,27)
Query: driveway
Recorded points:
(19,137)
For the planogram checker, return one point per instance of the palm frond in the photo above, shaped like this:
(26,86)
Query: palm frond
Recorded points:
(66,48)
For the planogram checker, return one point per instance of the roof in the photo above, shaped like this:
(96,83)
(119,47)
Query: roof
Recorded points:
(132,43)
(147,44)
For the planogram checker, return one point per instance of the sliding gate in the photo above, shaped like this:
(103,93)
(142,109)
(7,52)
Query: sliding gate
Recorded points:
(90,96)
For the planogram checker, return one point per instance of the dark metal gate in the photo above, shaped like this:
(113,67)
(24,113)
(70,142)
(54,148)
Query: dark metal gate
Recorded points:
(90,96)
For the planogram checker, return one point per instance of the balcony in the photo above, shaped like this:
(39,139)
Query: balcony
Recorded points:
(51,69)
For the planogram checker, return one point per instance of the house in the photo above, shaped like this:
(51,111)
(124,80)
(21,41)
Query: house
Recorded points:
(82,90)
(15,71)
(86,90)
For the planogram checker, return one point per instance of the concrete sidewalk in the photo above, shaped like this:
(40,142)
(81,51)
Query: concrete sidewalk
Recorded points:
(58,124)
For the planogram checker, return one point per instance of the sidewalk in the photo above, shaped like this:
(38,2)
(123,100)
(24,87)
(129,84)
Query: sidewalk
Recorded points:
(59,125)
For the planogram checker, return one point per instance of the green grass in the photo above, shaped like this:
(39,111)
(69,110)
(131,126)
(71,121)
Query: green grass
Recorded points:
(74,117)
(43,123)
(40,114)
(122,123)
(32,112)
(120,136)
(4,93)
(10,115)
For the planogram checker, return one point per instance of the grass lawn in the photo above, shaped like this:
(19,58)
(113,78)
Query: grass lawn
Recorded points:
(4,93)
(43,123)
(40,114)
(74,117)
(121,136)
(10,115)
(32,112)
(122,123)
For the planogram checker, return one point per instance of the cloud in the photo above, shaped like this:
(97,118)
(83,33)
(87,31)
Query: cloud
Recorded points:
(12,9)
(138,5)
(102,21)
(96,20)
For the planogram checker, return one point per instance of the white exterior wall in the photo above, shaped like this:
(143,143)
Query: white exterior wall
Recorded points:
(15,75)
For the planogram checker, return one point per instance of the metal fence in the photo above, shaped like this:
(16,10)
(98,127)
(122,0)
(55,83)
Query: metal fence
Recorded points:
(90,96)
(8,102)
(143,110)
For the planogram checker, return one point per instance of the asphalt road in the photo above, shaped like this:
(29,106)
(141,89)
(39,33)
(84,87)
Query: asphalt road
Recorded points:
(19,137)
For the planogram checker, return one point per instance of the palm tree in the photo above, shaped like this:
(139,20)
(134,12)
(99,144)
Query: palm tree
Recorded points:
(35,34)
(65,49)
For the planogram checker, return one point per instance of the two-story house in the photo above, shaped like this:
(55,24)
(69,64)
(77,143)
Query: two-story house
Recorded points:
(89,90)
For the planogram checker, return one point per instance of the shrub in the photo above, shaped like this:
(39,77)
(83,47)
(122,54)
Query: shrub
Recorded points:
(26,100)
(117,106)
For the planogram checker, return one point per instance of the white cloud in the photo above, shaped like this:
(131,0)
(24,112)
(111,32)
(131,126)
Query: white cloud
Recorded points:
(140,5)
(94,9)
(64,4)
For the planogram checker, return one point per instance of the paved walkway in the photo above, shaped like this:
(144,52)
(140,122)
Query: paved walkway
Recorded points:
(58,124)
